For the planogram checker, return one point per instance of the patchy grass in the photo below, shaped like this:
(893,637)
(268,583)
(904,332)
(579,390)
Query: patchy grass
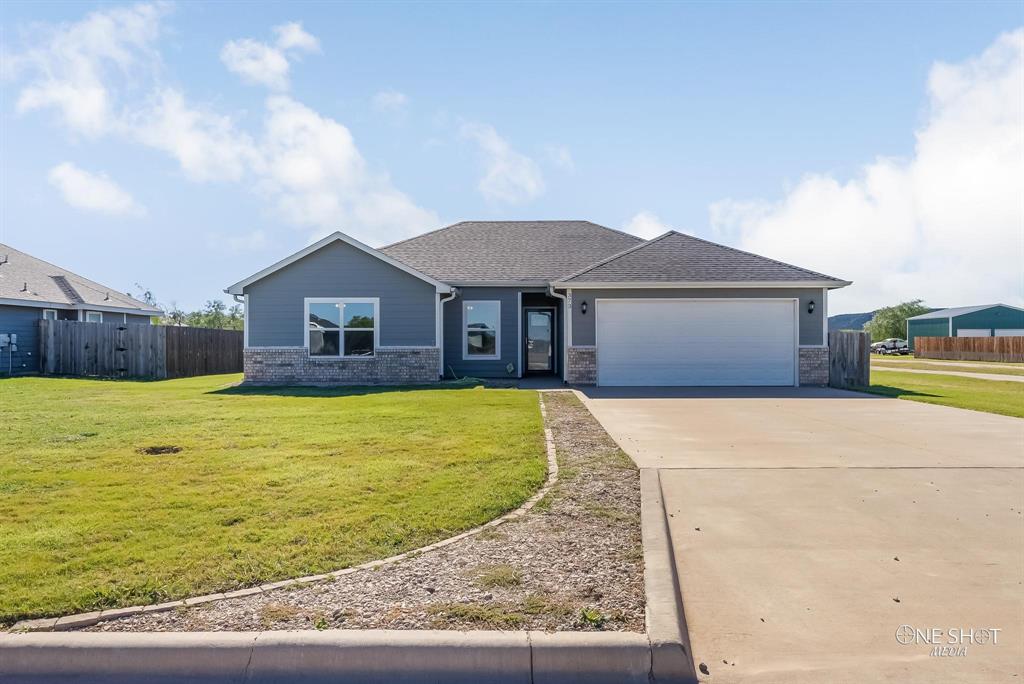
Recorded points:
(991,396)
(505,615)
(272,613)
(96,511)
(910,358)
(954,366)
(491,576)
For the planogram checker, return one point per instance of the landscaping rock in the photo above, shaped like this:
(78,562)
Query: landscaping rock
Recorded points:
(573,562)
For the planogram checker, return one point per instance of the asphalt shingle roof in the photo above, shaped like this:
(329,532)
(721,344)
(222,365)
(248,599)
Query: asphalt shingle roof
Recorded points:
(955,311)
(490,251)
(26,278)
(675,257)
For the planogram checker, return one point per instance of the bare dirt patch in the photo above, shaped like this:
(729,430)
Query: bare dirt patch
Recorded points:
(159,449)
(574,562)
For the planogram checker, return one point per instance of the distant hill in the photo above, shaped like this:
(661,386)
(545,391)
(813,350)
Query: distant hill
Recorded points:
(854,321)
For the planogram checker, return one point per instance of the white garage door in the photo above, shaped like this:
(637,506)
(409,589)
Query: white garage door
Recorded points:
(696,342)
(973,332)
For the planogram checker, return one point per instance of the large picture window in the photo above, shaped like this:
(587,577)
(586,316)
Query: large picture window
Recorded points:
(341,327)
(481,323)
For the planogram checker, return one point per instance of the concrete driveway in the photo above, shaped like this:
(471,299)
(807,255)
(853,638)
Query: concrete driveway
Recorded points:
(810,525)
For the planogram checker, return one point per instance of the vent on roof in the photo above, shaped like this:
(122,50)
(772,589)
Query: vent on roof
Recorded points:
(3,259)
(68,291)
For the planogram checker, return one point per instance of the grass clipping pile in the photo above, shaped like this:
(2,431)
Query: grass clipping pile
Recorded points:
(574,562)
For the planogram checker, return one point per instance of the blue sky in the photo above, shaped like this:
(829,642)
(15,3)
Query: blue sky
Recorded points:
(153,144)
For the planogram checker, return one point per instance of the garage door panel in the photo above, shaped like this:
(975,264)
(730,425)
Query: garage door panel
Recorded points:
(695,342)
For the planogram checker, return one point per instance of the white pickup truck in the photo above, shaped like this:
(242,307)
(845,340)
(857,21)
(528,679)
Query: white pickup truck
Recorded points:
(892,345)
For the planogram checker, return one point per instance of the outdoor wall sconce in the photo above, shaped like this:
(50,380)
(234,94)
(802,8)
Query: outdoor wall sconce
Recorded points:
(810,306)
(583,307)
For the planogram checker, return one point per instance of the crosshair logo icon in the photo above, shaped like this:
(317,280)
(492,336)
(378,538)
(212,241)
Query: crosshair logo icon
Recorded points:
(905,634)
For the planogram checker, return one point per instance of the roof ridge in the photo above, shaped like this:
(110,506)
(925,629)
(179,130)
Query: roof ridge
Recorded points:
(613,257)
(759,256)
(520,221)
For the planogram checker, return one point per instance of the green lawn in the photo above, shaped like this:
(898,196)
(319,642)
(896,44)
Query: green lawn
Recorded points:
(268,484)
(993,396)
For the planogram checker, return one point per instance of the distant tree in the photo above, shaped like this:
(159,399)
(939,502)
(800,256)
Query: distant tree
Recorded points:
(173,316)
(214,314)
(891,321)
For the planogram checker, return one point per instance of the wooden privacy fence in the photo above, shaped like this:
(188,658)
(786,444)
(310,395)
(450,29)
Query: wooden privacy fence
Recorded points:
(970,348)
(116,350)
(849,359)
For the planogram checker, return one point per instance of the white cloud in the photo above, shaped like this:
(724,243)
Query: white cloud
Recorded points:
(646,224)
(292,36)
(509,176)
(71,68)
(256,63)
(946,225)
(390,101)
(560,156)
(319,178)
(307,166)
(208,146)
(92,192)
(262,64)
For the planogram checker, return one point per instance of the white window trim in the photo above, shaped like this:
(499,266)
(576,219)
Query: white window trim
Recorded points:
(46,311)
(466,356)
(98,313)
(341,342)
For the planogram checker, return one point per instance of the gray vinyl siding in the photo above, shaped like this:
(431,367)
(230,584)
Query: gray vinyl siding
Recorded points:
(810,324)
(276,303)
(454,340)
(23,321)
(134,319)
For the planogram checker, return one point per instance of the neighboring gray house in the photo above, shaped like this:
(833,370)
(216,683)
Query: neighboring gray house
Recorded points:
(504,299)
(32,289)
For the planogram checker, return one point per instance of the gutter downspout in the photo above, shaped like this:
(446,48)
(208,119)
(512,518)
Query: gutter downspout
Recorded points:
(566,322)
(439,333)
(244,301)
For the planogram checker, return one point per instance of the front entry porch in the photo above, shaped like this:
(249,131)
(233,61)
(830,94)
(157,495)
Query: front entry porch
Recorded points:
(540,324)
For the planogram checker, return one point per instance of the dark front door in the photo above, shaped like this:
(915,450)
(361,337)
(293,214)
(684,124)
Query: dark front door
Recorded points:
(540,340)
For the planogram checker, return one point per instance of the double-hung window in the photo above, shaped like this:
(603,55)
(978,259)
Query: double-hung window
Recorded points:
(481,330)
(49,314)
(93,316)
(342,327)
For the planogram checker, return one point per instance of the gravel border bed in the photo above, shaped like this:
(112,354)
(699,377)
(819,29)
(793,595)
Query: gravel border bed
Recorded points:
(572,563)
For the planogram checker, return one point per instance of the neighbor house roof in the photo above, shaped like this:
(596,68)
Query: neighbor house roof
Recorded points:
(678,258)
(958,311)
(479,252)
(26,280)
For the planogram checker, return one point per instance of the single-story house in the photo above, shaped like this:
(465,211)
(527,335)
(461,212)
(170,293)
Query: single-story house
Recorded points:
(507,299)
(986,320)
(32,289)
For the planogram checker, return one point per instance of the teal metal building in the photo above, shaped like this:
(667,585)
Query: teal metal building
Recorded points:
(988,320)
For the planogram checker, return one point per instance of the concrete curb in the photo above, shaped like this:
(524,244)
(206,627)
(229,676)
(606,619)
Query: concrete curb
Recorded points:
(77,621)
(671,656)
(363,657)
